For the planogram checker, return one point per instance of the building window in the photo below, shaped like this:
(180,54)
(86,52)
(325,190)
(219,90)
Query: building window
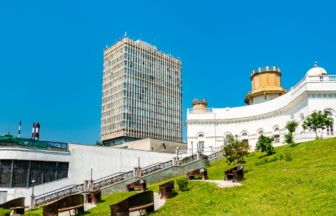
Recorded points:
(201,144)
(244,134)
(276,138)
(261,132)
(276,129)
(201,136)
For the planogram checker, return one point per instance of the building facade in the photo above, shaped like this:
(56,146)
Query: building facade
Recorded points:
(142,94)
(270,108)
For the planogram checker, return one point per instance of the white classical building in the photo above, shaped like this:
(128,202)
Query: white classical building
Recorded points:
(270,107)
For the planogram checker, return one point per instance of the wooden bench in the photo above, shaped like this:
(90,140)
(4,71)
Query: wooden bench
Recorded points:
(17,205)
(93,197)
(137,184)
(166,190)
(141,201)
(199,172)
(68,203)
(236,173)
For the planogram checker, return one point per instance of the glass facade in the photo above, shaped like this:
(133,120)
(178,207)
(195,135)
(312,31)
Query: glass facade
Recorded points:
(20,173)
(142,94)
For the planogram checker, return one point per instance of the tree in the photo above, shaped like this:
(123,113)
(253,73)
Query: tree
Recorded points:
(235,151)
(291,127)
(99,143)
(318,120)
(264,144)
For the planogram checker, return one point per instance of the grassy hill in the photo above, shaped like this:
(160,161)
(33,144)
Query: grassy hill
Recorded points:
(304,185)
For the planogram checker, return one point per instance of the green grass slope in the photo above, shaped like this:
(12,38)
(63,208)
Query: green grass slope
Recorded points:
(304,186)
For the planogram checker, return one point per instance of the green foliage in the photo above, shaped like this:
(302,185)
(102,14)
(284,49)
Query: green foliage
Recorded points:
(288,156)
(291,127)
(281,157)
(182,182)
(4,211)
(318,120)
(186,159)
(264,144)
(99,143)
(266,160)
(235,151)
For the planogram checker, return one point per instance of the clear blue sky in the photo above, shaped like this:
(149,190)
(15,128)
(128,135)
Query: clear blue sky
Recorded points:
(51,53)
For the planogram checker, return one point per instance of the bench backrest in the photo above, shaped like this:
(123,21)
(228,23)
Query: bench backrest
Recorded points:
(141,199)
(197,172)
(240,167)
(18,202)
(167,184)
(69,201)
(95,192)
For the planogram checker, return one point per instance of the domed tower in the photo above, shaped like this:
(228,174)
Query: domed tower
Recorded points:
(316,71)
(266,85)
(199,106)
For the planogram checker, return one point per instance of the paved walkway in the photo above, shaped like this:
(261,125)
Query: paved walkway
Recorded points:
(221,183)
(158,203)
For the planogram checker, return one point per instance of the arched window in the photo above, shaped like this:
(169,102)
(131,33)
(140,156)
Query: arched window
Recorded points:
(244,134)
(201,136)
(261,132)
(276,129)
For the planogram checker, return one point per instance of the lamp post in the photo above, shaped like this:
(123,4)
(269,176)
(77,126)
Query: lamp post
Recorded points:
(177,148)
(33,181)
(236,137)
(91,173)
(138,161)
(192,152)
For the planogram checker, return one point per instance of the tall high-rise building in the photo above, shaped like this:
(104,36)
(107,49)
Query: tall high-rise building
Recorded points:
(142,94)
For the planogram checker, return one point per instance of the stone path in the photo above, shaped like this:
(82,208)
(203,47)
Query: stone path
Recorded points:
(87,206)
(158,203)
(221,183)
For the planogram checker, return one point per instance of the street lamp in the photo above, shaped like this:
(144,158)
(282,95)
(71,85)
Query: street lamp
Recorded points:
(138,161)
(91,173)
(192,152)
(236,137)
(33,181)
(177,148)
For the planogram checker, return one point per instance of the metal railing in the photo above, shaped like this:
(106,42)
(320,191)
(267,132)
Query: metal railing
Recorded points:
(188,159)
(153,168)
(31,143)
(58,194)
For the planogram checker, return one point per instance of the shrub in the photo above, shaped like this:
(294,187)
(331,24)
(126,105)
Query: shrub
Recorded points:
(4,211)
(288,156)
(186,159)
(264,144)
(182,182)
(281,156)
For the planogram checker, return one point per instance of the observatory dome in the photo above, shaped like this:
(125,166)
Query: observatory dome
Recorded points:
(316,71)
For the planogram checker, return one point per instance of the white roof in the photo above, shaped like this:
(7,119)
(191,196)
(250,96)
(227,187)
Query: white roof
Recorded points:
(316,71)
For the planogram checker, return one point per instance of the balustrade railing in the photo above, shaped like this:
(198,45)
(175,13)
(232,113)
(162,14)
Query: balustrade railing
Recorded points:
(200,110)
(153,168)
(188,159)
(322,78)
(58,194)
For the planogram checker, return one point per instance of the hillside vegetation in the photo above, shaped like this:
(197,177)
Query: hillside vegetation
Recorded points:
(296,180)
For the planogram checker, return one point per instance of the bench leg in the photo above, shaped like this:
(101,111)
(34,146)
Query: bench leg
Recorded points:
(147,210)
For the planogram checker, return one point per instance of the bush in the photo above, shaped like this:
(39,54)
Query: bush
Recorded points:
(186,159)
(4,211)
(281,156)
(264,144)
(288,156)
(182,182)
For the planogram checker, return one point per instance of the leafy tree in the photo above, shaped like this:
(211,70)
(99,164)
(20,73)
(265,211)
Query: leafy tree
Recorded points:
(264,144)
(318,120)
(235,151)
(291,127)
(99,143)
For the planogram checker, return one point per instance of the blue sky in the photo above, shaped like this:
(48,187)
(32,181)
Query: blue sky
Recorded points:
(51,53)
